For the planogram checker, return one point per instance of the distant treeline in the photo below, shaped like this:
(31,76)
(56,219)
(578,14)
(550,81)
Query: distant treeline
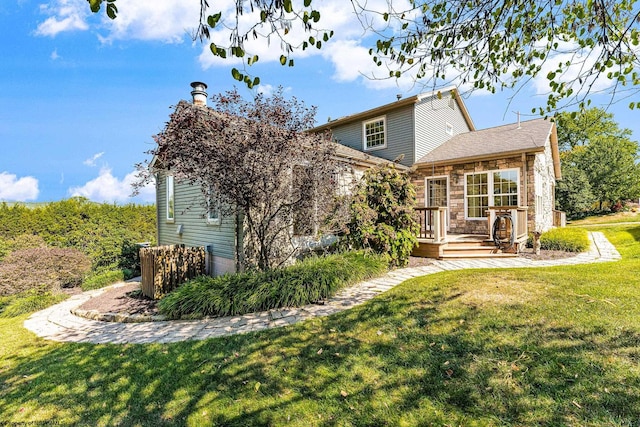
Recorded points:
(107,233)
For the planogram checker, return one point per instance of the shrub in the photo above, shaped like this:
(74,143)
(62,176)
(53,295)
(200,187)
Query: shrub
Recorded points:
(26,241)
(382,215)
(4,249)
(308,281)
(50,268)
(564,239)
(102,279)
(28,302)
(105,232)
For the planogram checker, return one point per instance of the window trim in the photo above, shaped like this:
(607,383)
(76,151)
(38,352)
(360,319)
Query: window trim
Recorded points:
(490,194)
(384,133)
(448,128)
(170,195)
(209,202)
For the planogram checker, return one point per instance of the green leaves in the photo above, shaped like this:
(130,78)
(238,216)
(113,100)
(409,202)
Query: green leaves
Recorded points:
(212,20)
(246,79)
(111,9)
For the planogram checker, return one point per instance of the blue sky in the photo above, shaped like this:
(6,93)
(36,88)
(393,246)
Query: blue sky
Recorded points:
(81,96)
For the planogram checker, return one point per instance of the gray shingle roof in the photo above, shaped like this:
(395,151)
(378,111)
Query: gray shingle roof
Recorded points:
(346,153)
(532,135)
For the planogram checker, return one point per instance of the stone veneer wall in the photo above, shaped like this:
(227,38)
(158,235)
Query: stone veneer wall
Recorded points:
(545,176)
(457,223)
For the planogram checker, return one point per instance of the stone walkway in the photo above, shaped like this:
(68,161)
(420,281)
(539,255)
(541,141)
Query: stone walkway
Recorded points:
(58,324)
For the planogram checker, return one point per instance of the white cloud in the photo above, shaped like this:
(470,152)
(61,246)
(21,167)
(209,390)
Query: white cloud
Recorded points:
(17,189)
(582,63)
(164,20)
(108,188)
(92,160)
(65,15)
(54,55)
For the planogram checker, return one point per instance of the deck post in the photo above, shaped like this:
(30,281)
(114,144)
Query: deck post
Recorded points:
(436,226)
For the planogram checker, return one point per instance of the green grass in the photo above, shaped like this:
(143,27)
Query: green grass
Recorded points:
(28,302)
(522,347)
(102,279)
(613,218)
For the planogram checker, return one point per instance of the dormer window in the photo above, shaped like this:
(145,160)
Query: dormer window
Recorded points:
(375,133)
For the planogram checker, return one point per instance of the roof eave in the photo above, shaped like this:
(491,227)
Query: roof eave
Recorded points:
(369,113)
(484,157)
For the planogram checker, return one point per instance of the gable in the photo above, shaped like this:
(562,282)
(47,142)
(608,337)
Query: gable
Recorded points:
(408,127)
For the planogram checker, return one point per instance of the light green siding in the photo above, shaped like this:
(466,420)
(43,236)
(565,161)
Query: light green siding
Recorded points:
(189,213)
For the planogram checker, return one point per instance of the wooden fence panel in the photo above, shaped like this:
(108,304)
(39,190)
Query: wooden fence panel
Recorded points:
(166,267)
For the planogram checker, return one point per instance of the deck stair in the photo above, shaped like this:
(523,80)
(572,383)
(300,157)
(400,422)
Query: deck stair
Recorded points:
(472,246)
(465,246)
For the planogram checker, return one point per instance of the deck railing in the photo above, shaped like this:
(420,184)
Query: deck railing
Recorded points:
(518,216)
(559,219)
(433,223)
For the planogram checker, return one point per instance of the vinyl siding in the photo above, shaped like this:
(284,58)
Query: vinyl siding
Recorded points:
(400,130)
(432,115)
(189,212)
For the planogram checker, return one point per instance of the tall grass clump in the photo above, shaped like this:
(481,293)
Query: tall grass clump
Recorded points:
(308,281)
(565,239)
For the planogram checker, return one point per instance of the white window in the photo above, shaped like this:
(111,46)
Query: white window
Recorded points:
(505,188)
(449,129)
(477,194)
(375,133)
(213,208)
(170,198)
(492,188)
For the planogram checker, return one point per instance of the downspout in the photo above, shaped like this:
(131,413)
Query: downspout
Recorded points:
(525,183)
(239,242)
(157,180)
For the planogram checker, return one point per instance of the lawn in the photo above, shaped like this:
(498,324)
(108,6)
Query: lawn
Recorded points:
(521,347)
(609,219)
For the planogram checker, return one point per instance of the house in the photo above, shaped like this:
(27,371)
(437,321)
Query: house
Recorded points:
(472,185)
(465,178)
(185,218)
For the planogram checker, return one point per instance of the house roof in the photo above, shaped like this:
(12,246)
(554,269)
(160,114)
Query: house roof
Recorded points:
(526,137)
(394,105)
(351,155)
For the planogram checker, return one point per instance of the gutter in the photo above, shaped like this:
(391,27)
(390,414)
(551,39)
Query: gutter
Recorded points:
(458,160)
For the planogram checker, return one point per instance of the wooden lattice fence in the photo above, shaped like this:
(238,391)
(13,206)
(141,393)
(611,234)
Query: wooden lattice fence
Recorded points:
(166,267)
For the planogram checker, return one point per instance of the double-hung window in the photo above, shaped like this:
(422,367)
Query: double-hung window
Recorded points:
(171,196)
(375,133)
(493,188)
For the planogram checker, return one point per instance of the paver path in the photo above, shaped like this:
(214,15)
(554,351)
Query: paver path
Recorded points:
(58,324)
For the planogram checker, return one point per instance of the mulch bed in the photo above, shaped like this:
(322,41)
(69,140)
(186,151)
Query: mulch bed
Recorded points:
(125,299)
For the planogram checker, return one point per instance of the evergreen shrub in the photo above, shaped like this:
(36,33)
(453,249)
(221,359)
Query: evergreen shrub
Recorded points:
(383,216)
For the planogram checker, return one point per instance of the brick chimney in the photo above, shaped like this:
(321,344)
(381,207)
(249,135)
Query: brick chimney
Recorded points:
(199,93)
